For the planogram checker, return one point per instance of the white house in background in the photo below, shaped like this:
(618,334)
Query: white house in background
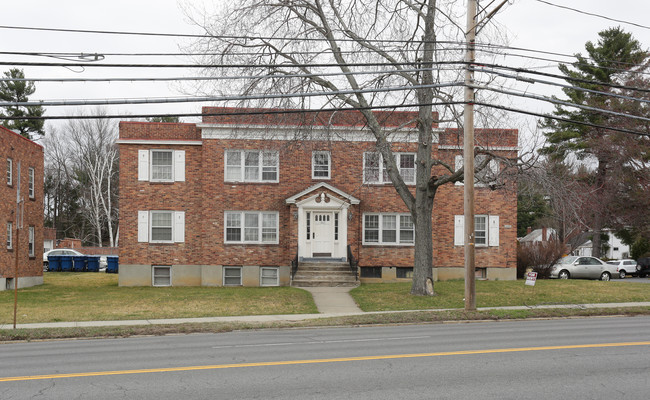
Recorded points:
(616,250)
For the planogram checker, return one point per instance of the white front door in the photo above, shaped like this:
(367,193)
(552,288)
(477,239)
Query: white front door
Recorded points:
(322,234)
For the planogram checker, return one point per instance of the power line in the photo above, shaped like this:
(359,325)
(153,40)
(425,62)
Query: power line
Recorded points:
(593,14)
(221,98)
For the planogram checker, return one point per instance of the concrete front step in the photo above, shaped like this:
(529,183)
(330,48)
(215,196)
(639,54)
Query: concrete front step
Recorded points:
(323,283)
(332,274)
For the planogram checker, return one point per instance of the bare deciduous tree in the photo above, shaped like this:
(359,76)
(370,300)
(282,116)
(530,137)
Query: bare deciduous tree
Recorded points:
(352,54)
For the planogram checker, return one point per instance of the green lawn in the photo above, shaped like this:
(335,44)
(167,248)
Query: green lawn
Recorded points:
(69,296)
(449,294)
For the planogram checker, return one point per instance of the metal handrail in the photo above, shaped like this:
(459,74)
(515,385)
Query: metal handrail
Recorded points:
(354,264)
(294,266)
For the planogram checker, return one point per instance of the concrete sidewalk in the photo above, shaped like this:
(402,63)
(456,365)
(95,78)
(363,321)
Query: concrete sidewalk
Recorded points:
(292,317)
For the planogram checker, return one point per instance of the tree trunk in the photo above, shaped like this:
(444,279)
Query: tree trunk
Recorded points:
(597,226)
(423,263)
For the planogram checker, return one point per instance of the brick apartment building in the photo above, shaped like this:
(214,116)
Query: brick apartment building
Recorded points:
(234,199)
(16,150)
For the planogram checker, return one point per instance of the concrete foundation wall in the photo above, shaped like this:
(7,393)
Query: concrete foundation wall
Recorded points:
(197,275)
(23,282)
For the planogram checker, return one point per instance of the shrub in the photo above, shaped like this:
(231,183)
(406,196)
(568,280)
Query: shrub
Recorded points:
(540,256)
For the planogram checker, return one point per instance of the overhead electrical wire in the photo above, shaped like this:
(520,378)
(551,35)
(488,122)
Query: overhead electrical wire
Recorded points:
(219,98)
(294,111)
(593,14)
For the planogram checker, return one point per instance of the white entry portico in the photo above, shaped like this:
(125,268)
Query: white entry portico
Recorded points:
(322,213)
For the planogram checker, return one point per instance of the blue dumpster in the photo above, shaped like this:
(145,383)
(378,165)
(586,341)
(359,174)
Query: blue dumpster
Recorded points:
(54,263)
(112,265)
(92,263)
(66,263)
(79,263)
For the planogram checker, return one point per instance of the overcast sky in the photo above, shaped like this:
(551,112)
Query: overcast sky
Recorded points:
(530,24)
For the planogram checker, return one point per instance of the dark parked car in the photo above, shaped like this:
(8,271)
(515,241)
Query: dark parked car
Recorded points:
(643,267)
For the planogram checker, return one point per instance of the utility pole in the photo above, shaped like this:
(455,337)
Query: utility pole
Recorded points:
(19,222)
(468,160)
(468,148)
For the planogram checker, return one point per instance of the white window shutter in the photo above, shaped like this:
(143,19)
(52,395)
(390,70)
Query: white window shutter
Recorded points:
(458,164)
(143,165)
(493,230)
(143,226)
(179,165)
(179,226)
(459,230)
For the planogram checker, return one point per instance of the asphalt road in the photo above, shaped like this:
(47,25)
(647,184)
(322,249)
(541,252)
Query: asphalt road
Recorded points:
(596,358)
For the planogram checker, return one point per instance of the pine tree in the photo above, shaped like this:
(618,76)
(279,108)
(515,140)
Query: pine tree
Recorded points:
(611,60)
(19,90)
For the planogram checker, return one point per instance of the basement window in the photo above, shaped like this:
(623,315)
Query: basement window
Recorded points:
(269,276)
(405,273)
(371,272)
(232,276)
(161,276)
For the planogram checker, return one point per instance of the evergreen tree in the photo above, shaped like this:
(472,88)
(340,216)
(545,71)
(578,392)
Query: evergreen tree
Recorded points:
(612,60)
(19,91)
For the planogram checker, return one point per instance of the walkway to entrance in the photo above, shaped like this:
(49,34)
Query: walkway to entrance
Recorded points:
(333,300)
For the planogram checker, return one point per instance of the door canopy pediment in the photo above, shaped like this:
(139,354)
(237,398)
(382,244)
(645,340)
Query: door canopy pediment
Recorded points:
(322,195)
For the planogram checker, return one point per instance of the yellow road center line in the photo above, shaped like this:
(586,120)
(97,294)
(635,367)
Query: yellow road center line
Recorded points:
(318,361)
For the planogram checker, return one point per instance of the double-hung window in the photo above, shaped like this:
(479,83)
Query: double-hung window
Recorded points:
(10,172)
(30,243)
(251,227)
(30,176)
(162,165)
(10,236)
(321,165)
(486,230)
(388,229)
(486,176)
(375,172)
(161,226)
(251,166)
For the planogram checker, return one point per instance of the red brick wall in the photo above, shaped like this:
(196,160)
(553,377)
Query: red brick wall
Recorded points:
(204,196)
(30,155)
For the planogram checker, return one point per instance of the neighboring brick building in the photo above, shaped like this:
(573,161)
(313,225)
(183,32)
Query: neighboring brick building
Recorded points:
(234,199)
(16,150)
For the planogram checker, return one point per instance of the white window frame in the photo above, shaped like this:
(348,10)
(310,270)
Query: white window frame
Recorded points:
(313,165)
(383,175)
(154,268)
(262,167)
(261,229)
(491,168)
(277,276)
(226,268)
(10,172)
(398,222)
(30,176)
(151,166)
(491,230)
(145,226)
(151,226)
(145,165)
(31,242)
(10,235)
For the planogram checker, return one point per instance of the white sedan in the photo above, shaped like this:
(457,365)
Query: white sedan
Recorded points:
(583,267)
(59,252)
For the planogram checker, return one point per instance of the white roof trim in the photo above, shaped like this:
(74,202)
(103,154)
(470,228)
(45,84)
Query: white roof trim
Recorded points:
(306,132)
(350,198)
(495,148)
(163,142)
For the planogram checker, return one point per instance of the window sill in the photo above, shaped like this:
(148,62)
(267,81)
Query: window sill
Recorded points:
(251,183)
(250,244)
(161,182)
(389,244)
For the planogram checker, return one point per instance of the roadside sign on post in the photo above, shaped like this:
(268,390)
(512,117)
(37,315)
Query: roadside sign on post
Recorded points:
(531,277)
